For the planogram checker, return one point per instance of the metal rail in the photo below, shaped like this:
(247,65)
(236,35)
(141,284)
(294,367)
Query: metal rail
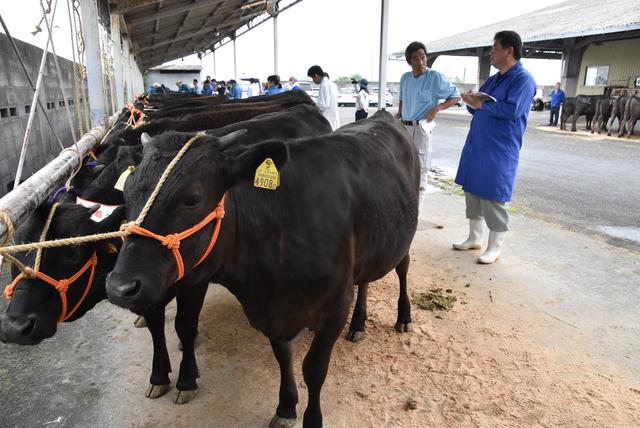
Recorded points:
(21,202)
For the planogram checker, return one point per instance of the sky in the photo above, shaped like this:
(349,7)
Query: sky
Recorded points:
(342,36)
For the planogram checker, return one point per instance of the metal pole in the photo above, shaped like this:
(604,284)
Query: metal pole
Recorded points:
(384,21)
(127,69)
(117,61)
(26,74)
(215,71)
(235,63)
(21,202)
(94,63)
(275,43)
(34,103)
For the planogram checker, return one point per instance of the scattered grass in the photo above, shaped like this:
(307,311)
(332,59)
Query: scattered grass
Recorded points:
(448,185)
(436,299)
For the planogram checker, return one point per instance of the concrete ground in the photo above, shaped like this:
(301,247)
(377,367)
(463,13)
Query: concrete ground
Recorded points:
(572,295)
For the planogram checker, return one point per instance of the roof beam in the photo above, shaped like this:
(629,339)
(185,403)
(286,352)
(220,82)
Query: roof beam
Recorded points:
(125,6)
(172,10)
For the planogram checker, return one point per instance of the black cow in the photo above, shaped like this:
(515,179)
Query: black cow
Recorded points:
(568,108)
(603,112)
(584,105)
(345,212)
(631,116)
(617,112)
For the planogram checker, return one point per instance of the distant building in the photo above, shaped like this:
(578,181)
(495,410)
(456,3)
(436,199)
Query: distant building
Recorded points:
(168,74)
(597,40)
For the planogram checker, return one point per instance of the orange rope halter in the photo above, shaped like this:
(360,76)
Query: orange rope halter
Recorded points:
(61,285)
(133,110)
(172,241)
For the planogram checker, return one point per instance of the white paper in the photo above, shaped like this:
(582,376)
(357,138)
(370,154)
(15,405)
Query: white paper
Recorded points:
(427,127)
(103,212)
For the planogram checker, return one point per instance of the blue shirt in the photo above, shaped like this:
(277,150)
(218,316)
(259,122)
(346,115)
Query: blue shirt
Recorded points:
(557,97)
(207,90)
(421,94)
(296,87)
(273,90)
(184,88)
(153,90)
(491,152)
(236,92)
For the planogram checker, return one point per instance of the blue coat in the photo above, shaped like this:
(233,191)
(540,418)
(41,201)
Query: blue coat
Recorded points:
(491,153)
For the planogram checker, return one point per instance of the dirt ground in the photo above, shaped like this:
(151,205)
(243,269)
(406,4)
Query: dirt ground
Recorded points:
(475,365)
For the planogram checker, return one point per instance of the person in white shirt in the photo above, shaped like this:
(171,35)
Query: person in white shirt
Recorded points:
(362,100)
(327,101)
(254,87)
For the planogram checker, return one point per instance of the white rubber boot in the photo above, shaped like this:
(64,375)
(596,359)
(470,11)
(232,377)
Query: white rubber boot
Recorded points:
(474,241)
(493,249)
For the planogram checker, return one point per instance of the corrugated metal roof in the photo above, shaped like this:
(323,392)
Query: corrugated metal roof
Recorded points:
(163,30)
(573,18)
(177,67)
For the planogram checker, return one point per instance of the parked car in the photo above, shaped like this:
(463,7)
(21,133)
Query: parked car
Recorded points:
(388,98)
(347,97)
(310,88)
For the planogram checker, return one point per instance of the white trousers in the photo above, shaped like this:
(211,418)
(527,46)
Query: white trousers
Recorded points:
(425,147)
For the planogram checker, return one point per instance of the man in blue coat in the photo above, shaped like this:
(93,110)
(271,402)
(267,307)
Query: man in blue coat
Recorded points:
(490,156)
(557,97)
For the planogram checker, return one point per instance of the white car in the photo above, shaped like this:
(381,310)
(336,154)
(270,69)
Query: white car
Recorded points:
(310,88)
(373,98)
(347,96)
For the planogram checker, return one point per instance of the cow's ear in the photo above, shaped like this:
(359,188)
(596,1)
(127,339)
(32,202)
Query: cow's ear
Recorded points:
(243,166)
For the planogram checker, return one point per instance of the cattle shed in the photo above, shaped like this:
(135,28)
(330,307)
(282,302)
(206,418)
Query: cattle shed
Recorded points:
(598,42)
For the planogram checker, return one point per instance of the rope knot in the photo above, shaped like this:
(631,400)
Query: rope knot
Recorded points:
(219,211)
(171,241)
(8,291)
(62,285)
(29,273)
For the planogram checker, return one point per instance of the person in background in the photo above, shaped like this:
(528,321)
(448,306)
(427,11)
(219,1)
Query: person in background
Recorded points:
(273,85)
(222,88)
(327,101)
(557,97)
(294,84)
(420,92)
(207,88)
(491,153)
(196,89)
(182,87)
(235,91)
(362,100)
(154,89)
(254,87)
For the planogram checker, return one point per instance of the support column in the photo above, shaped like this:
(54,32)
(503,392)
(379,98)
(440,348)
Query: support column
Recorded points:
(272,9)
(484,65)
(571,64)
(215,70)
(382,71)
(127,91)
(89,13)
(235,62)
(117,61)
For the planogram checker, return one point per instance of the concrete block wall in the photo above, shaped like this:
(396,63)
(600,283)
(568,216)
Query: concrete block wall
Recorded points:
(15,102)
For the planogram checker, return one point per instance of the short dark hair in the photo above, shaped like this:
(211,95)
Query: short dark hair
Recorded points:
(315,69)
(510,39)
(413,46)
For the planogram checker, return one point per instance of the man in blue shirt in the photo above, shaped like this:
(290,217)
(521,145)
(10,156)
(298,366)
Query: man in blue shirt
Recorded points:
(421,89)
(235,91)
(557,97)
(490,156)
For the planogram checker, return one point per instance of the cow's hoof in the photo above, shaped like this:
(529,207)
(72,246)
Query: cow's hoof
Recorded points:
(140,322)
(182,397)
(404,327)
(355,335)
(280,422)
(155,391)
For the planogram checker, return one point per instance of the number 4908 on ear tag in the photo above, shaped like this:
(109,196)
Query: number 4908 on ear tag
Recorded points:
(267,176)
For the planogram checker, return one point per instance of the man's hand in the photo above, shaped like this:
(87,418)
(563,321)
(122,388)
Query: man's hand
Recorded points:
(431,114)
(398,115)
(472,100)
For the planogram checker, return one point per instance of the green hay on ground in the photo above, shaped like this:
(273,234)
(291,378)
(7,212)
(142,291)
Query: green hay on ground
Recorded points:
(435,299)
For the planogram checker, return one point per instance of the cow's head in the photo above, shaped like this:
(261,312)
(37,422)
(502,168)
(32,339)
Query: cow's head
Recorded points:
(146,267)
(102,188)
(36,306)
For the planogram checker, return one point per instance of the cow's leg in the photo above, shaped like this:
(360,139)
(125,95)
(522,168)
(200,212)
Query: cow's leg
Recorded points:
(190,298)
(573,123)
(357,327)
(631,123)
(622,127)
(316,362)
(595,119)
(285,416)
(159,381)
(403,324)
(613,118)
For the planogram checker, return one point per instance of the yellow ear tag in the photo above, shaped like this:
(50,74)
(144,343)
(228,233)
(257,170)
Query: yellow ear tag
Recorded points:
(267,176)
(123,178)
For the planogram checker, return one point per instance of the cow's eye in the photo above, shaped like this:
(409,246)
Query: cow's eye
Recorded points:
(192,201)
